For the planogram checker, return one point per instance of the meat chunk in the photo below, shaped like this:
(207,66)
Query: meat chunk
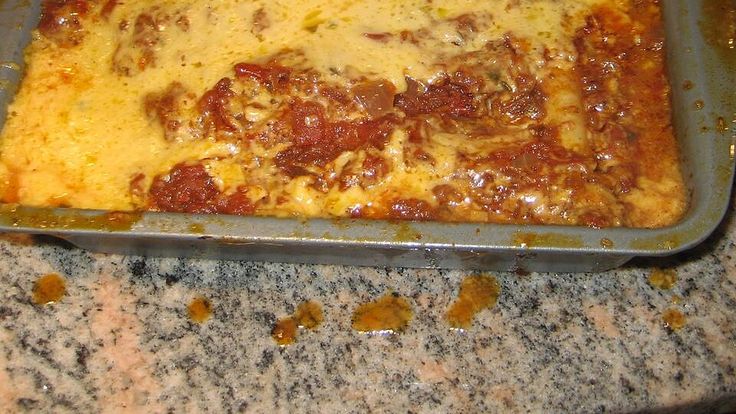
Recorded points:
(61,21)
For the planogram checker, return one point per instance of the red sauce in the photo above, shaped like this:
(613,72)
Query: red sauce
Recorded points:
(466,24)
(445,97)
(374,169)
(625,91)
(213,107)
(447,195)
(191,189)
(236,203)
(483,95)
(61,21)
(334,93)
(370,172)
(411,209)
(186,189)
(273,76)
(379,37)
(108,8)
(146,37)
(136,185)
(526,104)
(307,121)
(376,97)
(317,141)
(137,49)
(166,108)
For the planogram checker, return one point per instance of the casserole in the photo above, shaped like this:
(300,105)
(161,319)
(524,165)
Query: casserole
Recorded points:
(476,245)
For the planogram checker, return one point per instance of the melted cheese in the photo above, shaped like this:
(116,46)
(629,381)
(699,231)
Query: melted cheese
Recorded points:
(77,132)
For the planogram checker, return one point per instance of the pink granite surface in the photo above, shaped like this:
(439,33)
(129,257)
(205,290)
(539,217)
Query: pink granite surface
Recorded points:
(121,340)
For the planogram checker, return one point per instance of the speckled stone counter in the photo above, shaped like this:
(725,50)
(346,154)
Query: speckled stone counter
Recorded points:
(121,338)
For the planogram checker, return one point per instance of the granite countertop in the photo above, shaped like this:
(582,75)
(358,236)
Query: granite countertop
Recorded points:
(122,339)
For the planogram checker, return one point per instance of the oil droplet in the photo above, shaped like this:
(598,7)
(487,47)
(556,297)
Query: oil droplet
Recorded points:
(49,289)
(307,315)
(9,65)
(721,125)
(284,333)
(476,293)
(200,310)
(196,228)
(699,105)
(664,279)
(673,319)
(606,243)
(389,314)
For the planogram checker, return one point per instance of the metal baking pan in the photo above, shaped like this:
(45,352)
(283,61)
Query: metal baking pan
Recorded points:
(698,71)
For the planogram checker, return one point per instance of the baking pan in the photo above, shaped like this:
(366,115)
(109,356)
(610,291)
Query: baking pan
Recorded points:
(698,71)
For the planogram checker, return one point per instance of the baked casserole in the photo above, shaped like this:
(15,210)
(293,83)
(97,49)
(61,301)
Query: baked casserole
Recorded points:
(508,111)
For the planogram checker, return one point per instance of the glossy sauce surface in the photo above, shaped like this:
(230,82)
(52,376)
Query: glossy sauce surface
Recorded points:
(200,310)
(674,319)
(477,293)
(664,279)
(389,314)
(48,289)
(308,315)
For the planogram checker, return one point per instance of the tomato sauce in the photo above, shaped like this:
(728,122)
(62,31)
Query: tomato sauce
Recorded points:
(61,21)
(191,189)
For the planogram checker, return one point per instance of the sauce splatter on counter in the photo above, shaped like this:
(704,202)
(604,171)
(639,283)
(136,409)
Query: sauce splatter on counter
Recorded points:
(307,315)
(476,293)
(387,315)
(49,289)
(284,333)
(664,279)
(200,310)
(673,319)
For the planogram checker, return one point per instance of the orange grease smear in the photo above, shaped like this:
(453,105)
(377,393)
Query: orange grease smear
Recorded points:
(389,314)
(200,310)
(664,279)
(308,315)
(673,319)
(49,289)
(476,293)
